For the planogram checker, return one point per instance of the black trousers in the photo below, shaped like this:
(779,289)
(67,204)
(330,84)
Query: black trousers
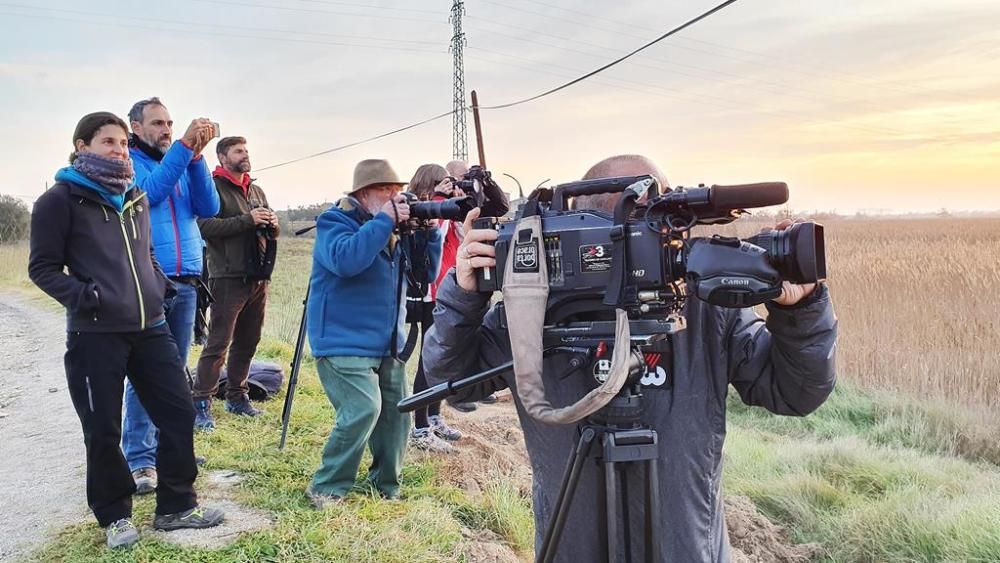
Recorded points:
(96,364)
(420,381)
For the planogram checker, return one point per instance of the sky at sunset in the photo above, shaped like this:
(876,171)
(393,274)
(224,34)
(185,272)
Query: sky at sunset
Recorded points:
(891,105)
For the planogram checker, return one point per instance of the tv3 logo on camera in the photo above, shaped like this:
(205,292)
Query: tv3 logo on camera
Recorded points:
(655,376)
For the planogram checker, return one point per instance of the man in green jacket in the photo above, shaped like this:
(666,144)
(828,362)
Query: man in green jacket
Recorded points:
(242,242)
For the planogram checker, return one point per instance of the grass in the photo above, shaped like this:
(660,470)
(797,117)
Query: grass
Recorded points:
(861,480)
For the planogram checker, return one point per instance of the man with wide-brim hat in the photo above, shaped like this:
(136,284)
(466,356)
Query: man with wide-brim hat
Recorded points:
(355,316)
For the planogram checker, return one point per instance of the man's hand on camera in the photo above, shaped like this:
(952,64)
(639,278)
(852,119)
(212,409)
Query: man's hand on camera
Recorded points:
(262,216)
(397,209)
(791,293)
(476,251)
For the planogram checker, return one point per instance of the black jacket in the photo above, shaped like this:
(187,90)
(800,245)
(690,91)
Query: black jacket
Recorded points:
(784,364)
(111,282)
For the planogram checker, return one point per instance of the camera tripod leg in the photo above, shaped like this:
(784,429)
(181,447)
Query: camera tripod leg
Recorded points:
(653,539)
(293,376)
(611,507)
(571,477)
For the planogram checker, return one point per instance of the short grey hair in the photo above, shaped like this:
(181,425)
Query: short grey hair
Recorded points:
(135,114)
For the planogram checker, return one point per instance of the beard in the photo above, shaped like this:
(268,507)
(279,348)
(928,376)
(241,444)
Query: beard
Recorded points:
(161,144)
(239,166)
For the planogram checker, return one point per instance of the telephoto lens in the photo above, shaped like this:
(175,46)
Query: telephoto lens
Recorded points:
(798,252)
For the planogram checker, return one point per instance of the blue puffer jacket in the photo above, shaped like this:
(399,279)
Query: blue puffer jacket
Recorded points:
(352,306)
(179,189)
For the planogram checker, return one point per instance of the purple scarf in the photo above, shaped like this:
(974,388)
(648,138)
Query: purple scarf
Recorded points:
(116,175)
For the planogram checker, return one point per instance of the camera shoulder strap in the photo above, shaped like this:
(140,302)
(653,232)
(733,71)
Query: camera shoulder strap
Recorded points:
(525,297)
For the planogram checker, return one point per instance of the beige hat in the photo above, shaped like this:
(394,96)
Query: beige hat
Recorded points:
(374,171)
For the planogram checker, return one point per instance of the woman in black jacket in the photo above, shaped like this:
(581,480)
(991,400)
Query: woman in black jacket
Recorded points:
(91,251)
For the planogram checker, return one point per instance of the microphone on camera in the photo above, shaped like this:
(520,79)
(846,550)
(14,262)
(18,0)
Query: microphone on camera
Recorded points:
(747,196)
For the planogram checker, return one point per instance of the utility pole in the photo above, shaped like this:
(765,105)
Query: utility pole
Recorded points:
(459,138)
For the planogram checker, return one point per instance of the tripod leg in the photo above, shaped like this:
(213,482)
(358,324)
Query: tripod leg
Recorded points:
(654,540)
(626,520)
(293,376)
(611,491)
(571,477)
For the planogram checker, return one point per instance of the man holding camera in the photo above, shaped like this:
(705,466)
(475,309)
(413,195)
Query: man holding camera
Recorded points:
(242,243)
(784,364)
(179,189)
(355,317)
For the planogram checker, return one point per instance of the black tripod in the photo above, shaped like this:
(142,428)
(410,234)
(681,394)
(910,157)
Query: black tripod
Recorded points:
(622,440)
(293,377)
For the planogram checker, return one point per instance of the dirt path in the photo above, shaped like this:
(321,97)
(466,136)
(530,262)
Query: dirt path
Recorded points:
(41,445)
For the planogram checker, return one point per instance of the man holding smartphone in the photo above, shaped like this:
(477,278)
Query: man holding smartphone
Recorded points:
(179,190)
(242,243)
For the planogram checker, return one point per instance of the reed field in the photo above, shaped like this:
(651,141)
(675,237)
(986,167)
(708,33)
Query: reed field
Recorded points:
(915,299)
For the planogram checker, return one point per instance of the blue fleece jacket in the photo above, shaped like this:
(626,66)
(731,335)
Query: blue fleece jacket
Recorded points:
(180,189)
(352,306)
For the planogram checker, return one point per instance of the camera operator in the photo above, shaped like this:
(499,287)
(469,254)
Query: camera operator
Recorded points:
(355,315)
(242,244)
(784,364)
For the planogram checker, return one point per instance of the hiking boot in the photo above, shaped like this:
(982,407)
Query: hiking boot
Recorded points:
(320,500)
(489,400)
(464,407)
(203,416)
(197,517)
(441,428)
(145,480)
(242,407)
(121,534)
(425,439)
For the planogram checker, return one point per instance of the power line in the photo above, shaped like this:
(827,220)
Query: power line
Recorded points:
(594,72)
(460,150)
(218,34)
(218,25)
(356,143)
(845,77)
(313,11)
(673,31)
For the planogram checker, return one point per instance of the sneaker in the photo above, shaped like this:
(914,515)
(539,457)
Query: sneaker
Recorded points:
(197,517)
(320,500)
(242,407)
(145,480)
(441,428)
(203,416)
(489,400)
(425,439)
(121,534)
(464,407)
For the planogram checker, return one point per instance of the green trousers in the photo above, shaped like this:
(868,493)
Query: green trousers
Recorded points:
(364,393)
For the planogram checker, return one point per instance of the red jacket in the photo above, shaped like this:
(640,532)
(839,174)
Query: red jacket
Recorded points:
(451,235)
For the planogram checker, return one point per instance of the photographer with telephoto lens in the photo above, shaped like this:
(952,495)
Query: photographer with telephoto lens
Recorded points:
(355,314)
(784,364)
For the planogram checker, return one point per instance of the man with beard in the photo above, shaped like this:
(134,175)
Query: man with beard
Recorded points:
(242,242)
(178,190)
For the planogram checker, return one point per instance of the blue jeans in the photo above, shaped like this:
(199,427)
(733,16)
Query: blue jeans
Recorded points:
(139,436)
